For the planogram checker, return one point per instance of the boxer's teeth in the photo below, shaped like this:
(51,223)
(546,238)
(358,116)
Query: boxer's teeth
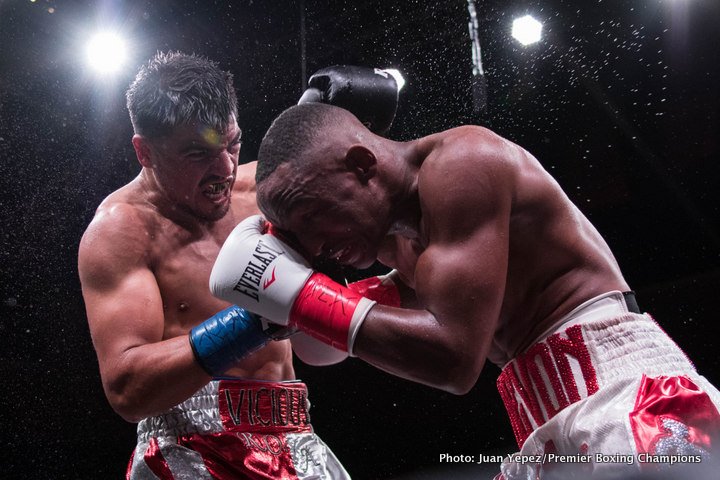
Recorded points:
(217,187)
(339,254)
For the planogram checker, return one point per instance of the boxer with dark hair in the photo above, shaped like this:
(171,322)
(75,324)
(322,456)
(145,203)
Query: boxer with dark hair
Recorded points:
(211,385)
(491,261)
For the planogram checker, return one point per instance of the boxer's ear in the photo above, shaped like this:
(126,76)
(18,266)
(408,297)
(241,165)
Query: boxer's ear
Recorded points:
(143,150)
(361,161)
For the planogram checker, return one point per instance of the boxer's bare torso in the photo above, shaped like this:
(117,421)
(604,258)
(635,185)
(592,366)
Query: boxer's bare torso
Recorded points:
(169,254)
(181,258)
(552,258)
(492,250)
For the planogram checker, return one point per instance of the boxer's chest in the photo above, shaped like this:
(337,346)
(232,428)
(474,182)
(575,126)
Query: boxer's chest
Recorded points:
(182,270)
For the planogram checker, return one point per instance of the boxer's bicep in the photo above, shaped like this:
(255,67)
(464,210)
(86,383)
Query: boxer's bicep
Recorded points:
(126,315)
(122,298)
(462,284)
(460,277)
(459,282)
(126,319)
(443,343)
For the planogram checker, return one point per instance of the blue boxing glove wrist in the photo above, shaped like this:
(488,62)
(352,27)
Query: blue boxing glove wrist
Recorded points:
(227,337)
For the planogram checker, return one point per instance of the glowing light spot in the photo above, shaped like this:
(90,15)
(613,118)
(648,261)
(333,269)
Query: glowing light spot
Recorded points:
(211,136)
(399,79)
(527,30)
(106,52)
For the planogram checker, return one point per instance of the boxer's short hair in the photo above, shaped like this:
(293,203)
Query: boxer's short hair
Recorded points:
(175,89)
(291,134)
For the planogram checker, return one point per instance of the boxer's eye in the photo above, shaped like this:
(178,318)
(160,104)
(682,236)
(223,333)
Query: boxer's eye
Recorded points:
(234,147)
(198,154)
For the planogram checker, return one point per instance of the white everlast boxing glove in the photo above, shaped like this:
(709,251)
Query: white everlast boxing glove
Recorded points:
(314,352)
(259,272)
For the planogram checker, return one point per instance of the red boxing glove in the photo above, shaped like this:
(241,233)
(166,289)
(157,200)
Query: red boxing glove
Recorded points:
(257,271)
(329,311)
(381,289)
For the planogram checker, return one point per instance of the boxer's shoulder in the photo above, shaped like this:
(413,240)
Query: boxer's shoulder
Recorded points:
(468,162)
(120,213)
(465,182)
(244,192)
(464,155)
(245,178)
(477,146)
(121,232)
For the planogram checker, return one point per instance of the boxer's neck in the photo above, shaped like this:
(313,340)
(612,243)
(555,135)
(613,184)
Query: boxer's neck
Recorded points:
(406,159)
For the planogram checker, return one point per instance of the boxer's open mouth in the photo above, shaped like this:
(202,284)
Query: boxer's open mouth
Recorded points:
(337,255)
(343,254)
(216,189)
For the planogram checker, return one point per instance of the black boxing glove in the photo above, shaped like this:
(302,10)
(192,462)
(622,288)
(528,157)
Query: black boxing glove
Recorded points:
(371,94)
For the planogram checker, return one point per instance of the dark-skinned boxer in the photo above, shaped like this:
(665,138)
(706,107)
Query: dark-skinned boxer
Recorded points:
(213,395)
(492,262)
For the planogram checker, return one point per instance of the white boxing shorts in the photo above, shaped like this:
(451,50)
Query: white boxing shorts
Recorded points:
(608,393)
(232,429)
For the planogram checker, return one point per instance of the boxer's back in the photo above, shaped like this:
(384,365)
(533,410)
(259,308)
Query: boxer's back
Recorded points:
(557,261)
(180,253)
(556,258)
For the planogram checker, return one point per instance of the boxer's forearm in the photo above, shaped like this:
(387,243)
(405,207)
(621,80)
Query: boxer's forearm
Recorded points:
(414,345)
(149,379)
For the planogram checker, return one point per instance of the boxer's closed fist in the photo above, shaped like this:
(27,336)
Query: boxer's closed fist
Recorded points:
(261,273)
(371,94)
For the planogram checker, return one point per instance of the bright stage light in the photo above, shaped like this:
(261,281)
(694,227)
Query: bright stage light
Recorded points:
(106,52)
(399,79)
(526,30)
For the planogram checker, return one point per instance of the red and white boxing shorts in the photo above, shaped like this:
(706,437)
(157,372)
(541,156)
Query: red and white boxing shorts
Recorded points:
(609,392)
(233,429)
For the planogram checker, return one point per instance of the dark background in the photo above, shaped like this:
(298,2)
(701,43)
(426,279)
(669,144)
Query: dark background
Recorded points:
(619,102)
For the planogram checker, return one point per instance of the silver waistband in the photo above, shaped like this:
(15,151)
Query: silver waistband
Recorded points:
(197,414)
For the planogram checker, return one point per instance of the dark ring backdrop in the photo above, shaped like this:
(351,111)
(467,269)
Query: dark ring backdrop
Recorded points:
(619,102)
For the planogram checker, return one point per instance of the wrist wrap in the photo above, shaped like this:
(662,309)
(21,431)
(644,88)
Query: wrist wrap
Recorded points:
(225,338)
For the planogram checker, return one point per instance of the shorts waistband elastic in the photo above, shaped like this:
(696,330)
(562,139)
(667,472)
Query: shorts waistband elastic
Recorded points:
(607,305)
(228,405)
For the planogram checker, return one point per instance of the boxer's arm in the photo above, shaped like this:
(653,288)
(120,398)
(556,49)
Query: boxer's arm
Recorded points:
(142,374)
(459,280)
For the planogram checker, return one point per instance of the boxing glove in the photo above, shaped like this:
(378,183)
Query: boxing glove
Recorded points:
(381,289)
(229,336)
(371,94)
(259,272)
(314,352)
